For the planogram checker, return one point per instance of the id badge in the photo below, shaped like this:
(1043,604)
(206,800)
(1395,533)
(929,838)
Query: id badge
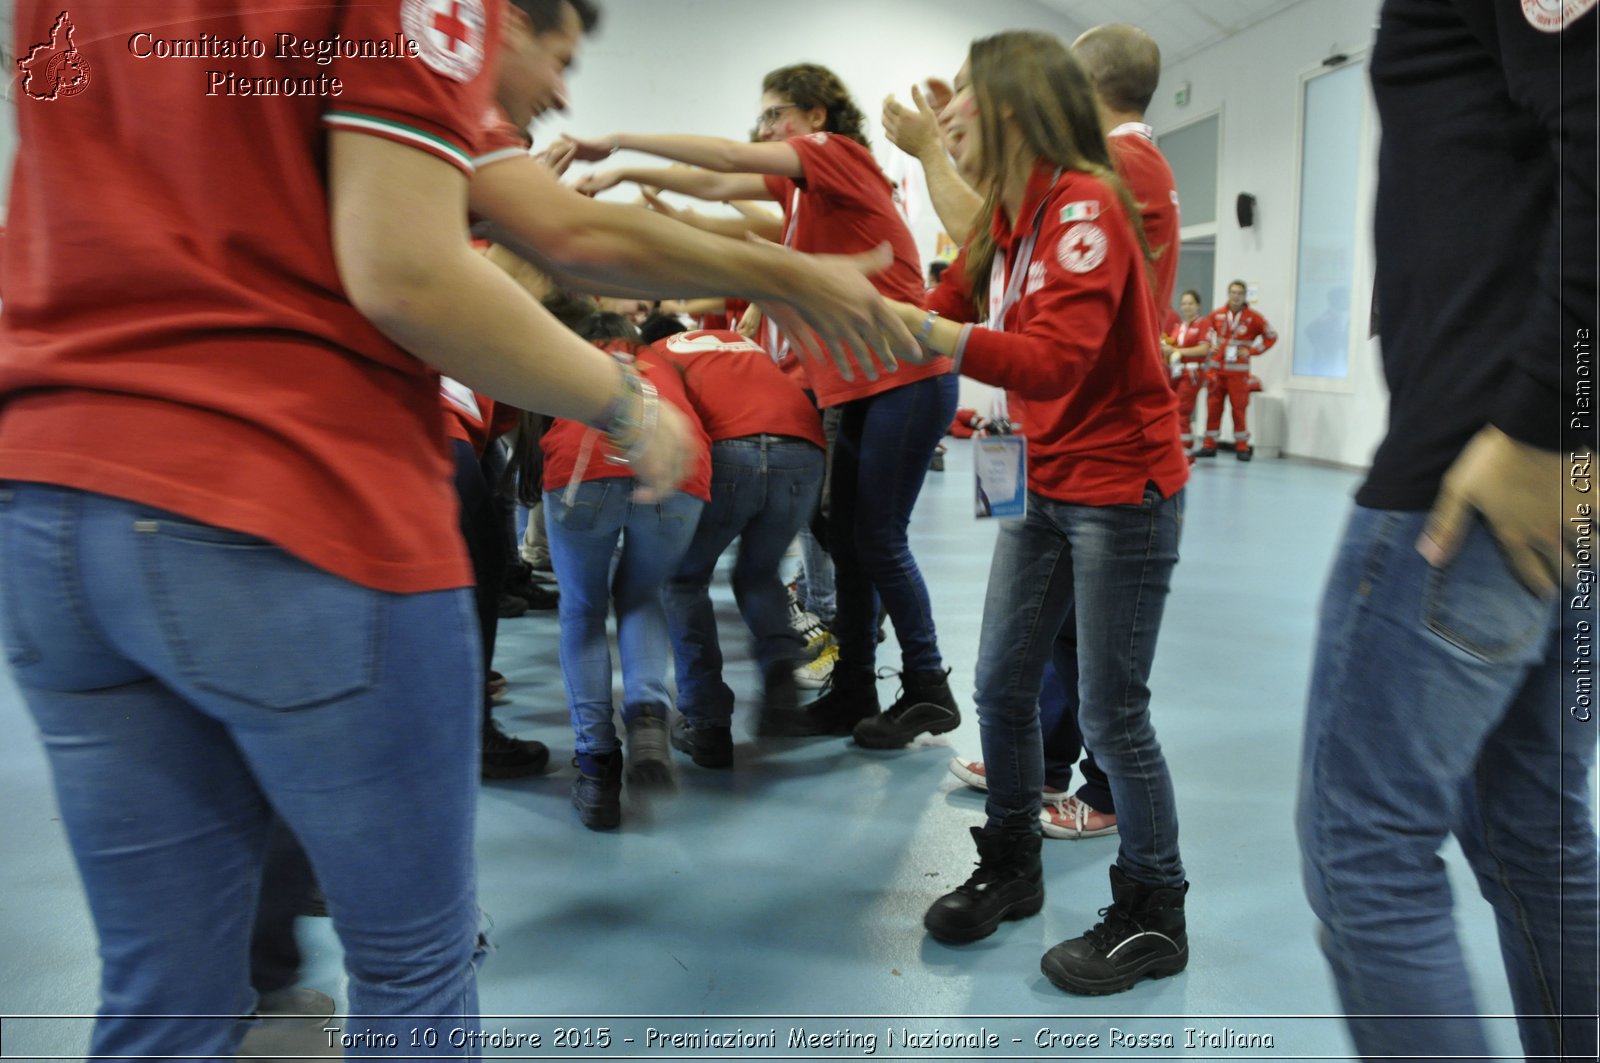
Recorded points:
(1002,477)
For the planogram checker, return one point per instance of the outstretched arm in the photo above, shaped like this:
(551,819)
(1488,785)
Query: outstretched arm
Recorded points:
(687,180)
(624,250)
(710,153)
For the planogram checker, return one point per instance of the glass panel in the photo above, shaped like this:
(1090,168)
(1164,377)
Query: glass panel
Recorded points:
(1197,269)
(1192,154)
(1325,259)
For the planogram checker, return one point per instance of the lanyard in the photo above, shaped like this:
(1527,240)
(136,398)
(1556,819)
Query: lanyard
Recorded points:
(776,345)
(1004,294)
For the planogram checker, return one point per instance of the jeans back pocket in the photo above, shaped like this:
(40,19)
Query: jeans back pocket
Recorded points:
(1478,605)
(243,619)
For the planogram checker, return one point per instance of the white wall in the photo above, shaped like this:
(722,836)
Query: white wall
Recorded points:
(1253,81)
(695,66)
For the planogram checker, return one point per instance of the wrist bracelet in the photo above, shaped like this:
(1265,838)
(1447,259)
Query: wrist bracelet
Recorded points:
(927,326)
(627,432)
(614,417)
(649,417)
(616,144)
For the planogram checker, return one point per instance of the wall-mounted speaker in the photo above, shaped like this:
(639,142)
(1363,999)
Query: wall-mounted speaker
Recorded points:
(1245,207)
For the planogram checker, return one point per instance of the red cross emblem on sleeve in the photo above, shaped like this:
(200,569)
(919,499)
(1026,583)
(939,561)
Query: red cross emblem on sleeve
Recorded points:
(450,35)
(1082,248)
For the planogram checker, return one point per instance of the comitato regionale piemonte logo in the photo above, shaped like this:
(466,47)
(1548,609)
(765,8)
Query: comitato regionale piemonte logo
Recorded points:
(55,69)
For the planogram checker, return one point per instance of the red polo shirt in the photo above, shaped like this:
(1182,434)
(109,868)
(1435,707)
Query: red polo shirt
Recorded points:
(175,329)
(737,390)
(844,205)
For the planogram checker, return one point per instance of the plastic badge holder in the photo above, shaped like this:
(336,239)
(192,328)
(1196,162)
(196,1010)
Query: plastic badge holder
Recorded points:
(1002,477)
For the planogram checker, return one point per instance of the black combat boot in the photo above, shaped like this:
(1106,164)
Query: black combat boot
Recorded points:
(597,794)
(851,695)
(925,705)
(1009,884)
(1142,935)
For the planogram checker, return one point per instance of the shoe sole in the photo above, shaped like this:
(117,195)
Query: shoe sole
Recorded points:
(1059,833)
(598,821)
(872,741)
(714,761)
(1019,910)
(1089,988)
(971,779)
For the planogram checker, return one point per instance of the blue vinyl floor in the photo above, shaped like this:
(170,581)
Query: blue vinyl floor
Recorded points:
(794,885)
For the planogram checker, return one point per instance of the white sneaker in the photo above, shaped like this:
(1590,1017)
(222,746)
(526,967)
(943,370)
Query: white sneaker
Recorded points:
(1074,820)
(815,675)
(810,627)
(971,772)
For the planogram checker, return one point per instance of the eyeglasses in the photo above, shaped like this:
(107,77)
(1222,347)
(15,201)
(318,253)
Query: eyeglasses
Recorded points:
(770,116)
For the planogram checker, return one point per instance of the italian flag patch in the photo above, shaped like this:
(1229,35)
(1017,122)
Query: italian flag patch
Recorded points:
(1088,210)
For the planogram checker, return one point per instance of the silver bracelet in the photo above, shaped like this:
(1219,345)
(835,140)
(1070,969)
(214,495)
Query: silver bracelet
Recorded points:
(643,429)
(927,327)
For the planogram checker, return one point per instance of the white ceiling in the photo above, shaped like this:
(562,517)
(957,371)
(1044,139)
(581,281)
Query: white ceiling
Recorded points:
(1181,27)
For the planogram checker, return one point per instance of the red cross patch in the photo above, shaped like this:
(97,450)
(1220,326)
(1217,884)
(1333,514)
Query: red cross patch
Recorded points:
(450,35)
(1082,248)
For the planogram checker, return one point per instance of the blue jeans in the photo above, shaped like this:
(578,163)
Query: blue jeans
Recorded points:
(187,682)
(583,542)
(1058,723)
(880,460)
(1112,566)
(1437,708)
(763,489)
(815,583)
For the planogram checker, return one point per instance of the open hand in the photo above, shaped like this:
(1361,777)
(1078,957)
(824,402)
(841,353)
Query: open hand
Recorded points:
(837,313)
(913,131)
(595,183)
(592,150)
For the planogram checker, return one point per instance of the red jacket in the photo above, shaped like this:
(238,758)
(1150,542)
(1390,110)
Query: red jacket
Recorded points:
(1239,338)
(1080,345)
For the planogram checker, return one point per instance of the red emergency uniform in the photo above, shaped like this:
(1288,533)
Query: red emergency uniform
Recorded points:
(1238,337)
(1191,372)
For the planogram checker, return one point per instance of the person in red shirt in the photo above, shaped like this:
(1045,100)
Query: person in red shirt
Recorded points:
(1124,66)
(593,506)
(234,585)
(1188,351)
(1061,266)
(815,163)
(767,463)
(1239,333)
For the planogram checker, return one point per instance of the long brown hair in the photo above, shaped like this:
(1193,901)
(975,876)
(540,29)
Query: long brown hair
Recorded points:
(1033,78)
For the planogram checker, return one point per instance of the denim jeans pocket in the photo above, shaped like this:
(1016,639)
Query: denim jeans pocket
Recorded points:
(584,512)
(1480,608)
(243,619)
